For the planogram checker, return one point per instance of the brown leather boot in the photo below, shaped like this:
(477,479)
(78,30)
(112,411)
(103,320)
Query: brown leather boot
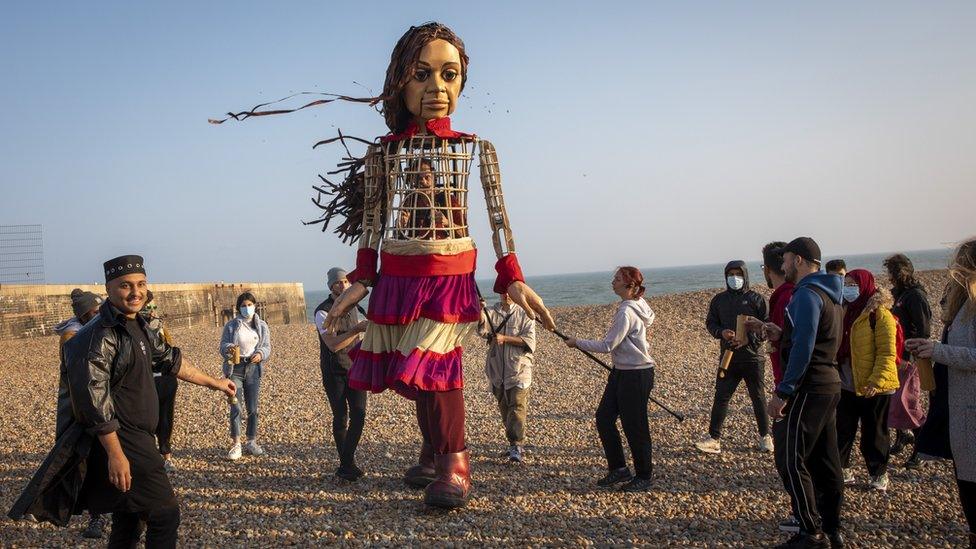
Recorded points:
(453,484)
(422,474)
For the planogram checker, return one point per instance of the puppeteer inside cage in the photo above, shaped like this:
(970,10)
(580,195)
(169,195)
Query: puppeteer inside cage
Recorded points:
(427,188)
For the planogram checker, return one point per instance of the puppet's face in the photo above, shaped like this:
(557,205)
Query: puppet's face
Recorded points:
(433,91)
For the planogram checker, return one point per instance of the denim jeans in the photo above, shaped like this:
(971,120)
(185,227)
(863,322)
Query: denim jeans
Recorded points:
(247,379)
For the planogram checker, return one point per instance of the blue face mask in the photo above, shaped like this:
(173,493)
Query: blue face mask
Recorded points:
(735,282)
(851,293)
(247,311)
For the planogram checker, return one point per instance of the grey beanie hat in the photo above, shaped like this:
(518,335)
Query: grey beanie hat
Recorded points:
(335,273)
(82,302)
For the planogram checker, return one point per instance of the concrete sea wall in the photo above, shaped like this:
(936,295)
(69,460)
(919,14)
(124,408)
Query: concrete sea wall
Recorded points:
(34,310)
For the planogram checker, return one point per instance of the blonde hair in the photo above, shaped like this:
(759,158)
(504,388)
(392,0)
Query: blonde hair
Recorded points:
(961,290)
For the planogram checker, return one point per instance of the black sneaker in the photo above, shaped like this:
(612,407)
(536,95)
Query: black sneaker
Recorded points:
(349,473)
(614,477)
(95,529)
(637,485)
(836,540)
(790,526)
(802,540)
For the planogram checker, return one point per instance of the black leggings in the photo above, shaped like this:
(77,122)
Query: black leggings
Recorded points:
(753,374)
(872,414)
(626,397)
(166,389)
(161,525)
(348,415)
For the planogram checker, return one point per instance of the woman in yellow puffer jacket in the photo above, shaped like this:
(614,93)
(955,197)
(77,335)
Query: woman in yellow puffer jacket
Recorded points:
(869,375)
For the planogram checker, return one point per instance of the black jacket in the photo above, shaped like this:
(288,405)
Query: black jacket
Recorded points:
(913,311)
(95,359)
(724,308)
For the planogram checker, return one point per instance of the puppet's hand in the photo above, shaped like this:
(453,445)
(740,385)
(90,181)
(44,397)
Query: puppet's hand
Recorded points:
(525,297)
(349,298)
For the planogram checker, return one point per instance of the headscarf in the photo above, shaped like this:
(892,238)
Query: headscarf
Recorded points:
(865,282)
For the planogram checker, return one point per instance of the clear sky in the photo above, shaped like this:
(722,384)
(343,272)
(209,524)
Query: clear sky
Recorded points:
(641,133)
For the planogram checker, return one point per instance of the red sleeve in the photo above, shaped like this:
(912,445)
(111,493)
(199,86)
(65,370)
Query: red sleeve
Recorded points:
(365,272)
(509,271)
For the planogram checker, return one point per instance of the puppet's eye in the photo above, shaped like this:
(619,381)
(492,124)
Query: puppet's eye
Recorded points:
(421,75)
(450,75)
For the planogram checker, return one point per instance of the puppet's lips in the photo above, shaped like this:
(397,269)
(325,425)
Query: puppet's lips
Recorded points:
(436,104)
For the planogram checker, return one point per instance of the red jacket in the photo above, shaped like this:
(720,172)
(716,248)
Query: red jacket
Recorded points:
(777,315)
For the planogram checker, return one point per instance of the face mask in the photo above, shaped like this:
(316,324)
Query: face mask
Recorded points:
(247,311)
(851,293)
(735,282)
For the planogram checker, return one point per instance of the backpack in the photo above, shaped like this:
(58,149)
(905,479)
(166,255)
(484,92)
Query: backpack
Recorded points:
(899,336)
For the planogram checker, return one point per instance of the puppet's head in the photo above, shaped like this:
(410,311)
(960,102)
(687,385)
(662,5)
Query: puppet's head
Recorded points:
(427,72)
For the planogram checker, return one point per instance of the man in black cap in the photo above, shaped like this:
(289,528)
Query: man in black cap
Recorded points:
(804,405)
(106,459)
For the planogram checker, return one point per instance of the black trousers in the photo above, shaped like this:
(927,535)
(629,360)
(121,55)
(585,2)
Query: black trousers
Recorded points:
(348,415)
(967,498)
(161,527)
(626,396)
(872,414)
(753,373)
(808,460)
(166,389)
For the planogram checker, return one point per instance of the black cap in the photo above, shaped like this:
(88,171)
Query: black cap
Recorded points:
(124,265)
(804,247)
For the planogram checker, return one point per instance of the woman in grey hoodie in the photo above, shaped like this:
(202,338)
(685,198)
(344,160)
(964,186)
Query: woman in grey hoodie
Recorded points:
(629,384)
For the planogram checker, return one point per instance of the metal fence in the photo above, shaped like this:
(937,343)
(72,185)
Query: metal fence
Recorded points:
(21,254)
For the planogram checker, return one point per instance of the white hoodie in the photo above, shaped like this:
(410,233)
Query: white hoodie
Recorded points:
(626,341)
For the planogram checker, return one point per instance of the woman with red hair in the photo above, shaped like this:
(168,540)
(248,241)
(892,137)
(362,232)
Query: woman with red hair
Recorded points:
(629,384)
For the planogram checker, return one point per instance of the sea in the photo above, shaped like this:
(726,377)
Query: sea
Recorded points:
(563,290)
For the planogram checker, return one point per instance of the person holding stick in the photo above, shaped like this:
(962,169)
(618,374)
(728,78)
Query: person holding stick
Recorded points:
(958,353)
(628,385)
(804,406)
(740,352)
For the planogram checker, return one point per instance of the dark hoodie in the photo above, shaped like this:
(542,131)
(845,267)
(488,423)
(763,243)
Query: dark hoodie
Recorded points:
(727,305)
(811,336)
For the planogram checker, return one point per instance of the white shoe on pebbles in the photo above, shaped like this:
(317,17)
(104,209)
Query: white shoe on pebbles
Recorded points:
(766,443)
(848,475)
(709,445)
(252,447)
(235,452)
(880,482)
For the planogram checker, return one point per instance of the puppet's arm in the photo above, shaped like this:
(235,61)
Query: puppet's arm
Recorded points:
(365,273)
(510,279)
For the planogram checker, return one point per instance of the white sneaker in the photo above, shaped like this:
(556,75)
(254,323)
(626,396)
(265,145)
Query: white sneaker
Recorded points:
(709,445)
(766,443)
(168,466)
(253,448)
(880,482)
(235,452)
(848,476)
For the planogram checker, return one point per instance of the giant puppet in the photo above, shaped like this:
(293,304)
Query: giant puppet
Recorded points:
(416,253)
(406,203)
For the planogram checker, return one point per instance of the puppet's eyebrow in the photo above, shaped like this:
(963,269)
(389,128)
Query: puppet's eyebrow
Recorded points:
(426,65)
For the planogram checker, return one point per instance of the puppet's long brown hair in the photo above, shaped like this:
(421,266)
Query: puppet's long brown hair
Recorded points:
(403,61)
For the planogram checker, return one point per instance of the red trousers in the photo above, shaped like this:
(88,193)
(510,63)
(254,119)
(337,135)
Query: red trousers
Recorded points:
(440,416)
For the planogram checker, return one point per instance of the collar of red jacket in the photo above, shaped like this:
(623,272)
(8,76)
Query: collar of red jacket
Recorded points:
(441,127)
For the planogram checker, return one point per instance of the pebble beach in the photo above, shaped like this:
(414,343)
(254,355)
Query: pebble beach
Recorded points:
(289,496)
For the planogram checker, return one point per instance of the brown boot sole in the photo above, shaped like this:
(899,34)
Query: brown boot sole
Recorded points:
(442,501)
(418,482)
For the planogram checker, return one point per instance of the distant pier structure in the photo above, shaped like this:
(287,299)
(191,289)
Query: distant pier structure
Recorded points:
(21,254)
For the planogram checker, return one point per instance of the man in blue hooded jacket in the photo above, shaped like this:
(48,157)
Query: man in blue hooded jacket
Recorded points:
(804,405)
